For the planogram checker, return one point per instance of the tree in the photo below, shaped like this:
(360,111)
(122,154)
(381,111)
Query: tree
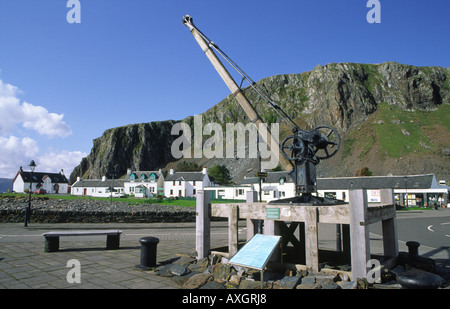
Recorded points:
(364,172)
(221,174)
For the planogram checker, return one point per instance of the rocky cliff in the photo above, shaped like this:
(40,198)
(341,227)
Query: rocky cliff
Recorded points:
(393,118)
(144,146)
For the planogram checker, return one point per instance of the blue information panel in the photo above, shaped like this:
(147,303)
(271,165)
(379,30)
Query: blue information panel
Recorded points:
(256,252)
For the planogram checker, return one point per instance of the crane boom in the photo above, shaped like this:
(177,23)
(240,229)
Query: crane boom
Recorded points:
(301,151)
(207,47)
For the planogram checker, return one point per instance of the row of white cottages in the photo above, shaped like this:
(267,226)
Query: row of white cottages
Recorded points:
(413,190)
(147,184)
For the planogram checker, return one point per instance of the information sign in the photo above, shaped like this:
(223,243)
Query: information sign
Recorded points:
(272,213)
(256,253)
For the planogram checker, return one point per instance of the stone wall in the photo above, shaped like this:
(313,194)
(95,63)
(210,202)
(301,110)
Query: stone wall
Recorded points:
(51,210)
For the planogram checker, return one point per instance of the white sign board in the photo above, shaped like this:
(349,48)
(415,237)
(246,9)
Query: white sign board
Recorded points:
(256,252)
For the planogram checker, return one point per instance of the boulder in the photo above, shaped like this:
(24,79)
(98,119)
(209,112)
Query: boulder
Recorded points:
(287,282)
(179,270)
(349,285)
(198,281)
(329,285)
(419,279)
(222,271)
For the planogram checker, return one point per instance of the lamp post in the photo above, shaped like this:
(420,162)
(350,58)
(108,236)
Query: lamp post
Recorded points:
(28,209)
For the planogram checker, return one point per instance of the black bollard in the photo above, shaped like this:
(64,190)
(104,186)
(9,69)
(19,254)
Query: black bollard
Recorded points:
(413,248)
(148,252)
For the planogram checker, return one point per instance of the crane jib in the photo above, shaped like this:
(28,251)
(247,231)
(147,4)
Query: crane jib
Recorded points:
(302,150)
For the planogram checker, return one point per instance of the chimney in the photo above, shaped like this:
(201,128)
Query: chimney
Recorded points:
(62,172)
(78,178)
(205,170)
(103,178)
(128,171)
(171,171)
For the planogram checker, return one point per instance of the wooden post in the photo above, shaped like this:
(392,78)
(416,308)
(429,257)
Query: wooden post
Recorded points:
(359,233)
(390,242)
(252,196)
(312,239)
(386,196)
(270,227)
(233,230)
(346,246)
(389,226)
(202,224)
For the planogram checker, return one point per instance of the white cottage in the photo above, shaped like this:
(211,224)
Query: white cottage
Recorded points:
(186,184)
(50,182)
(277,185)
(97,187)
(144,183)
(411,190)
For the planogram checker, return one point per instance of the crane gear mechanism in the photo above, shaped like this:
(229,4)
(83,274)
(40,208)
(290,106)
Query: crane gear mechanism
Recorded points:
(301,151)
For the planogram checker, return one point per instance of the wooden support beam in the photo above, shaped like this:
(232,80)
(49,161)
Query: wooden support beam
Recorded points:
(389,226)
(252,224)
(312,239)
(359,233)
(288,233)
(346,247)
(233,230)
(390,239)
(202,224)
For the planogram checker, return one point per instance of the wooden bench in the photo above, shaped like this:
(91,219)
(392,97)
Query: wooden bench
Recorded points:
(52,238)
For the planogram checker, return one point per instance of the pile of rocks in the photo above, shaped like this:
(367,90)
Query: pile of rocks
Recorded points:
(53,210)
(214,272)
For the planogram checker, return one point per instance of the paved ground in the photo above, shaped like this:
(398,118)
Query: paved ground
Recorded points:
(24,264)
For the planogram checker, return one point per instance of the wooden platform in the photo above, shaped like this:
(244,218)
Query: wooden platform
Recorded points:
(354,216)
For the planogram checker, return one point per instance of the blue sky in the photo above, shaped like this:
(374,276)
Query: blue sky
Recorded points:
(62,85)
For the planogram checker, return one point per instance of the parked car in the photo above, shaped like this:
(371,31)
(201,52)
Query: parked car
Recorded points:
(40,191)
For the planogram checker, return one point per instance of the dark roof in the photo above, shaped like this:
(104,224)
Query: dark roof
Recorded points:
(188,176)
(377,182)
(40,177)
(97,183)
(272,177)
(343,183)
(146,173)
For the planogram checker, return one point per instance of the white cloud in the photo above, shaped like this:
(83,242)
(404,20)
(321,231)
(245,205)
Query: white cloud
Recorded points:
(19,151)
(45,123)
(33,117)
(55,161)
(15,152)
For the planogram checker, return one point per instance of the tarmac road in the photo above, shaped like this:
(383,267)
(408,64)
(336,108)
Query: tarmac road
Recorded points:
(431,228)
